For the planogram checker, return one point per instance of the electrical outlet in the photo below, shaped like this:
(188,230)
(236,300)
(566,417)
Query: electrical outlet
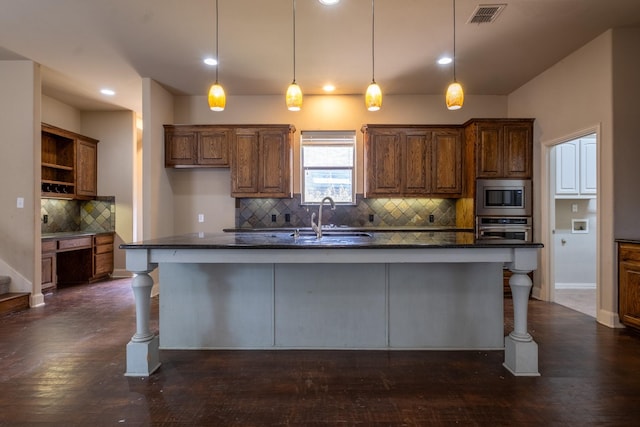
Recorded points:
(287,217)
(45,218)
(200,217)
(432,218)
(20,202)
(574,208)
(370,217)
(273,218)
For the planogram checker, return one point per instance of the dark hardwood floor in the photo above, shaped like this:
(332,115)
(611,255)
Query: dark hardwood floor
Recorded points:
(63,364)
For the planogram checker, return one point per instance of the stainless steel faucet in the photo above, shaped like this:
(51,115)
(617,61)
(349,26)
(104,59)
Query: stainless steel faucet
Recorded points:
(318,227)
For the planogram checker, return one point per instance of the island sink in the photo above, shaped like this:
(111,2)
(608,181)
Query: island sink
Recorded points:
(332,234)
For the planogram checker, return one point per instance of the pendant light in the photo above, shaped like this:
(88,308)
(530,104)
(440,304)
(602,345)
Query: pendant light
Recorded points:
(455,95)
(373,97)
(294,93)
(217,98)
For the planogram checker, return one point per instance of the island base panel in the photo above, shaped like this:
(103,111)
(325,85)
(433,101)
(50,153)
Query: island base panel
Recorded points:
(332,306)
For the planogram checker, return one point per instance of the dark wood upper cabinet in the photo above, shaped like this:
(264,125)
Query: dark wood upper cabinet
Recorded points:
(412,161)
(196,146)
(503,147)
(261,161)
(213,147)
(69,164)
(87,168)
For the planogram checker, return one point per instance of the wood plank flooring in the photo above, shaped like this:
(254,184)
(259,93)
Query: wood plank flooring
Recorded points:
(63,364)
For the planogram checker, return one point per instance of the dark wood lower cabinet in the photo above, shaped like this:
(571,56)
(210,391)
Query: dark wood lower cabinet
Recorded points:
(102,256)
(629,284)
(75,260)
(48,280)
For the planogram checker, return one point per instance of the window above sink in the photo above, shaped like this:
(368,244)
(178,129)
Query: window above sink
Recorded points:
(328,166)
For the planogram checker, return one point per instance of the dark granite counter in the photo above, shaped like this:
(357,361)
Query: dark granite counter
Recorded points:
(330,239)
(71,234)
(345,228)
(632,241)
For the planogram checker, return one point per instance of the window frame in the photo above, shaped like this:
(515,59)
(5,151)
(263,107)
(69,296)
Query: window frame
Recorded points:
(328,139)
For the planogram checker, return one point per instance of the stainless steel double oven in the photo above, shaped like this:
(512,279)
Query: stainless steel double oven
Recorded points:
(503,209)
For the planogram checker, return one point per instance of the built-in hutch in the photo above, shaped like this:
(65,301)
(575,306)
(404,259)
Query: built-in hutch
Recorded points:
(69,164)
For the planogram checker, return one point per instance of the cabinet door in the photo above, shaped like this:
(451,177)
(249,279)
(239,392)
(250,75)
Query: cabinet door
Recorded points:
(275,173)
(213,147)
(48,271)
(86,168)
(518,149)
(567,167)
(416,179)
(588,166)
(179,147)
(383,176)
(629,284)
(629,309)
(244,163)
(489,151)
(446,168)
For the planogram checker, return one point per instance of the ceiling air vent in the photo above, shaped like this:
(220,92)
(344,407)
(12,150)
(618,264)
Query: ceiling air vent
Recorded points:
(486,13)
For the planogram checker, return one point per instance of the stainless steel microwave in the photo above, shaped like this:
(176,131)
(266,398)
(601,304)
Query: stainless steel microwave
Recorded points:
(503,197)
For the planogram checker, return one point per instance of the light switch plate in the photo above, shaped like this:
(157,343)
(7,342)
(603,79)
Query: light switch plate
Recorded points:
(200,217)
(20,202)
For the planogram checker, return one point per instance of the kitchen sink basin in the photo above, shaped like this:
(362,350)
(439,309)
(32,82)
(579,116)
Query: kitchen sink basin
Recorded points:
(334,234)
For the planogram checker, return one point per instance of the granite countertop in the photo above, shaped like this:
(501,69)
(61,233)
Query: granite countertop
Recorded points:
(634,241)
(400,228)
(330,239)
(71,234)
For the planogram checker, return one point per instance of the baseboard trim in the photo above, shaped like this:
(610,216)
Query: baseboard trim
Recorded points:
(575,286)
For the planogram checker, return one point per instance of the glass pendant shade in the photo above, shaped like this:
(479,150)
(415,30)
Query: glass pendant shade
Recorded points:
(373,97)
(455,96)
(294,97)
(217,98)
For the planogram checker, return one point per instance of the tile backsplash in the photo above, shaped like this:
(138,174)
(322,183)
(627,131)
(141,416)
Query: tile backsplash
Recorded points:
(259,213)
(78,215)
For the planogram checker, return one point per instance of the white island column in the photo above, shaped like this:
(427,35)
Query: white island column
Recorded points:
(143,356)
(520,350)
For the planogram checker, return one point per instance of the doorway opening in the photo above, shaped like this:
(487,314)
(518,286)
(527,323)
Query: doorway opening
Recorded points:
(573,220)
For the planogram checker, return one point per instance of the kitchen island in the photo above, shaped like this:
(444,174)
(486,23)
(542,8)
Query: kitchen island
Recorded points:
(431,290)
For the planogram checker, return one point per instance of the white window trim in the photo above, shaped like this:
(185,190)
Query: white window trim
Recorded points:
(337,138)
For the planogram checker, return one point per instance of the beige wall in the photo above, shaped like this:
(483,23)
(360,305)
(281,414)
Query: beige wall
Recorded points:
(157,195)
(571,97)
(20,175)
(626,93)
(207,191)
(116,131)
(59,114)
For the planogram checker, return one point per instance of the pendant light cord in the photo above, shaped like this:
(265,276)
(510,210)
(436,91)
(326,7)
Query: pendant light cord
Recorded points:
(373,34)
(217,55)
(294,41)
(454,40)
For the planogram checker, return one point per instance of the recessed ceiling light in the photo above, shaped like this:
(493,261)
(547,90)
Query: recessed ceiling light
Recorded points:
(329,2)
(445,60)
(210,61)
(328,87)
(109,92)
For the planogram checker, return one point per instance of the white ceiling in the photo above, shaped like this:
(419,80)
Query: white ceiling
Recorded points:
(84,45)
